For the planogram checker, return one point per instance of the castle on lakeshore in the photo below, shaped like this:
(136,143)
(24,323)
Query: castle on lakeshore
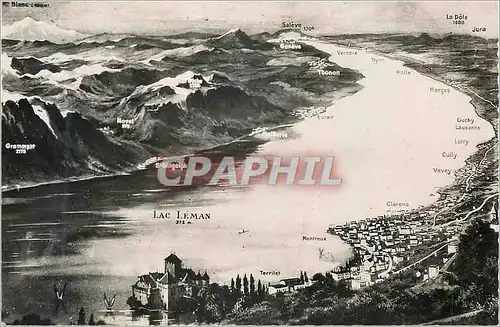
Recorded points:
(165,291)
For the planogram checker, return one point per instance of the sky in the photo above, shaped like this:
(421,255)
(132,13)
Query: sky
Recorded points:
(163,18)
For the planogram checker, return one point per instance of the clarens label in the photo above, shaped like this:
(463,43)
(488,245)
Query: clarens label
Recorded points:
(200,170)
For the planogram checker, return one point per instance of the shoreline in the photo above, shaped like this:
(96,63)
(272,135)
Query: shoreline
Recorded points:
(10,188)
(407,60)
(460,88)
(479,108)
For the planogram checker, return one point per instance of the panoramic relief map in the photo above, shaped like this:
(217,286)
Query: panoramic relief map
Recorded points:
(249,163)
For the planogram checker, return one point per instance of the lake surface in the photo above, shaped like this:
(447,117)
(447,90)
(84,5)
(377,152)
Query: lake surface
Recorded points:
(393,141)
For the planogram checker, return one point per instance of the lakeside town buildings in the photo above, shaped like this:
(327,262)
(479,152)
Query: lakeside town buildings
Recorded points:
(383,246)
(389,245)
(288,285)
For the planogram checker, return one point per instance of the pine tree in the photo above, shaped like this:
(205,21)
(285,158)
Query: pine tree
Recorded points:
(301,277)
(245,285)
(306,279)
(238,283)
(252,285)
(232,284)
(81,317)
(260,291)
(329,277)
(91,320)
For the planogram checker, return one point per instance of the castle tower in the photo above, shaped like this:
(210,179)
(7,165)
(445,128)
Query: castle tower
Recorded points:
(198,279)
(206,279)
(173,266)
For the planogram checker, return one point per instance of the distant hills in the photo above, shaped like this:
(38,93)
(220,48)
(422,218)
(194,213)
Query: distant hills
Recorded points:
(29,29)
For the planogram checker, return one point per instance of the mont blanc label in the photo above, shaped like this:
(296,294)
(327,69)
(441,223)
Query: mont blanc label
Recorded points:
(29,4)
(313,238)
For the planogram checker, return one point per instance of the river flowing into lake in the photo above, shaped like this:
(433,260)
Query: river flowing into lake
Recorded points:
(395,141)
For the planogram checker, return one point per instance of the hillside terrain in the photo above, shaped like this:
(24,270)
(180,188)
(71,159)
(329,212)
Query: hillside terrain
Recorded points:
(469,286)
(104,104)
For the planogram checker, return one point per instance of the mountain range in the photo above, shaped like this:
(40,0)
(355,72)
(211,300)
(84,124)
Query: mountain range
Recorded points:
(179,93)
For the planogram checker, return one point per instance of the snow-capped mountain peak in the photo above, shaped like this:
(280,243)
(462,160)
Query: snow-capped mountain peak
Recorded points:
(233,31)
(234,38)
(29,29)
